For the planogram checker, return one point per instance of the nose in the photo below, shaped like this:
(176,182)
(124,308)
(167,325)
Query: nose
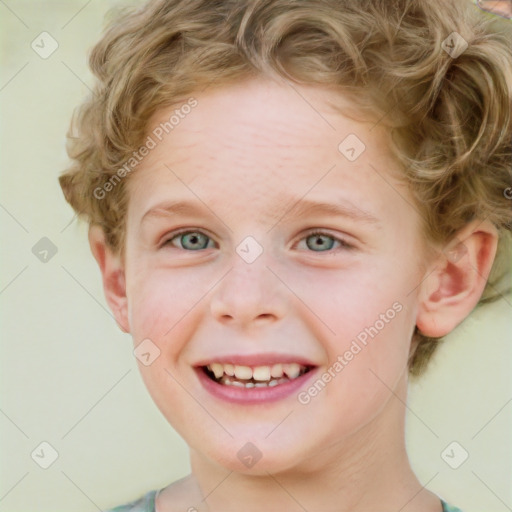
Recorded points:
(250,293)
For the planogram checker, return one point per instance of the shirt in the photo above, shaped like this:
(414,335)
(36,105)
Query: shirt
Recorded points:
(147,504)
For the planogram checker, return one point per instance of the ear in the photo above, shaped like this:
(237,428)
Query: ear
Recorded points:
(453,288)
(112,273)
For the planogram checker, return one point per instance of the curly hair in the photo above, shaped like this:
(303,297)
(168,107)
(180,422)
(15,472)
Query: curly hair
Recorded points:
(438,73)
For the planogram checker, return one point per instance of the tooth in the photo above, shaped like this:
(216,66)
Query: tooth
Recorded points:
(261,373)
(229,369)
(277,371)
(237,384)
(217,369)
(292,370)
(273,383)
(249,384)
(243,372)
(260,385)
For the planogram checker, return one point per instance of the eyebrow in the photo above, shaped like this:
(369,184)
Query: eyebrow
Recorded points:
(175,208)
(302,208)
(343,208)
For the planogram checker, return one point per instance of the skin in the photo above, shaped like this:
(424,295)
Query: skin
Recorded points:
(251,152)
(499,7)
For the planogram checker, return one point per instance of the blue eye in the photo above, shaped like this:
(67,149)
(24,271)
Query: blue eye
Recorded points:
(317,241)
(190,240)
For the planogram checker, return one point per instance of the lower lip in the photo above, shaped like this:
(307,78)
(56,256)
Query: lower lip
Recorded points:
(253,395)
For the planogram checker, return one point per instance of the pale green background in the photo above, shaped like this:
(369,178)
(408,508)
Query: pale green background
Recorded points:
(68,373)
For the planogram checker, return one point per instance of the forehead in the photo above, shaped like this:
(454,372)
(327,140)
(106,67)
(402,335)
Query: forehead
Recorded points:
(258,142)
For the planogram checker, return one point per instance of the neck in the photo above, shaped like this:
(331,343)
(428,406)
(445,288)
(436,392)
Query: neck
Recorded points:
(368,471)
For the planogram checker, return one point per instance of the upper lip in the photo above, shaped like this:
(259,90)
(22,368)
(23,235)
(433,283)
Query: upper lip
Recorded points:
(262,359)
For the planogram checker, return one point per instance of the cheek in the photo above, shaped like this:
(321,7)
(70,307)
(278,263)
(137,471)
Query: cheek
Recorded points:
(367,357)
(370,315)
(162,310)
(349,300)
(159,301)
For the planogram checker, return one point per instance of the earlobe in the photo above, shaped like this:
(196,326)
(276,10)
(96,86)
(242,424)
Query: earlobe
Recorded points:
(455,284)
(113,276)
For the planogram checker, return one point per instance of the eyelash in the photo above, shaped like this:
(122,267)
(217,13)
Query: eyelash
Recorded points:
(344,245)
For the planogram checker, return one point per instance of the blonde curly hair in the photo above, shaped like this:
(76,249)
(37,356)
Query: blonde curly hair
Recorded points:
(437,72)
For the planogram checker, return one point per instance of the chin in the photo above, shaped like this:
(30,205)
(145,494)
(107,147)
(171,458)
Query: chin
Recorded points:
(257,457)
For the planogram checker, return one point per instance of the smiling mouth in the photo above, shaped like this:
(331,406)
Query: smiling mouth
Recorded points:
(254,377)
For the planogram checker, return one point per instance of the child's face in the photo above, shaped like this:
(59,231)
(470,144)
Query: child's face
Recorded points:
(248,157)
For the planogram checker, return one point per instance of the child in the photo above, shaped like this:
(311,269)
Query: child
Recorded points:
(225,143)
